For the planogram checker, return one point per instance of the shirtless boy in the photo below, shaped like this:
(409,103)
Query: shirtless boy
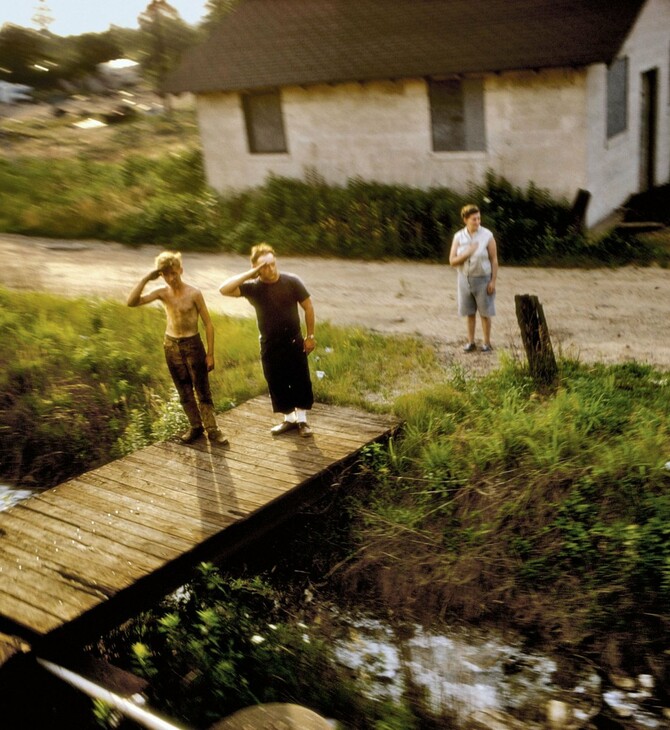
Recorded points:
(185,354)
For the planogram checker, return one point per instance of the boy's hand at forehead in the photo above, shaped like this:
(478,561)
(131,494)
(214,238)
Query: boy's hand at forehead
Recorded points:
(154,274)
(265,260)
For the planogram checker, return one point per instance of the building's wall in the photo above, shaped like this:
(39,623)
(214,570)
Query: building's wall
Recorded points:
(536,128)
(614,164)
(381,131)
(377,131)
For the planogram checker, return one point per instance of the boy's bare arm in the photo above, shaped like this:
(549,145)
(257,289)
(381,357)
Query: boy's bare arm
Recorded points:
(209,328)
(136,298)
(231,286)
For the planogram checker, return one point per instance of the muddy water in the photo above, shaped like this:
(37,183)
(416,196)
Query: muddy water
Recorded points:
(470,674)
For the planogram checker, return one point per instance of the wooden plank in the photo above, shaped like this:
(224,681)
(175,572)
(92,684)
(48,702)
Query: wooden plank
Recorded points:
(140,536)
(276,469)
(347,430)
(179,499)
(160,463)
(32,579)
(86,545)
(28,619)
(189,529)
(107,505)
(53,564)
(110,542)
(113,574)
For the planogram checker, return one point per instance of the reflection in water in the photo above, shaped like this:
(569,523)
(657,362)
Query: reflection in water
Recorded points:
(471,671)
(9,496)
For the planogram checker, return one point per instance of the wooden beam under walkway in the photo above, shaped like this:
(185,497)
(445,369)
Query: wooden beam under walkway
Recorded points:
(82,557)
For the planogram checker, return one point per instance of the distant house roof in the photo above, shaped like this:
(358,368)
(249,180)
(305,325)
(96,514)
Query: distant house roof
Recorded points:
(270,43)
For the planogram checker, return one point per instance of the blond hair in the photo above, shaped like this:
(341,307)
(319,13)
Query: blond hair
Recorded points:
(168,260)
(468,210)
(259,250)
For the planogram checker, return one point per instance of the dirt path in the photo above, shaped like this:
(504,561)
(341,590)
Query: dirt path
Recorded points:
(609,315)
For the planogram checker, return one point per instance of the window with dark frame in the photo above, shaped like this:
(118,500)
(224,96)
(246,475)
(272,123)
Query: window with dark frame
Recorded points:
(457,115)
(617,97)
(264,122)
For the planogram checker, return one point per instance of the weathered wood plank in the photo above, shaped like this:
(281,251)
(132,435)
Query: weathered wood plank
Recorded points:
(139,536)
(91,536)
(108,569)
(107,506)
(64,530)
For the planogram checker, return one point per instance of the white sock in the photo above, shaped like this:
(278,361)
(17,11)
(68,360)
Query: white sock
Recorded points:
(290,417)
(301,415)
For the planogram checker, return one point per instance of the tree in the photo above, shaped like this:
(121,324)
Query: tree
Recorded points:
(23,54)
(80,55)
(167,36)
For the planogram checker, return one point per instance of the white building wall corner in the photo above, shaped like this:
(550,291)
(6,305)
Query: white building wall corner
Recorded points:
(378,131)
(614,163)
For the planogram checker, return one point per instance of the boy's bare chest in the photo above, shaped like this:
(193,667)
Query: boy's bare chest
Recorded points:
(181,308)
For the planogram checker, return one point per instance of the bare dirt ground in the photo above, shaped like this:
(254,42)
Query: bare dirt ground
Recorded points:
(606,315)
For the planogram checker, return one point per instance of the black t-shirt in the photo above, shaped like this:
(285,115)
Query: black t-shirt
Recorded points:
(276,305)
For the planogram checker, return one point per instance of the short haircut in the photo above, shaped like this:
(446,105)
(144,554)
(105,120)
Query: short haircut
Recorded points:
(168,260)
(468,210)
(259,250)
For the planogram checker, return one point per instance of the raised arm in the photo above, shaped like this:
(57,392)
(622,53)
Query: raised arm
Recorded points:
(136,298)
(231,286)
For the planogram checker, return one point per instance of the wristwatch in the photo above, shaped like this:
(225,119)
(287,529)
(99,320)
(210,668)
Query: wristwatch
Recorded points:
(310,337)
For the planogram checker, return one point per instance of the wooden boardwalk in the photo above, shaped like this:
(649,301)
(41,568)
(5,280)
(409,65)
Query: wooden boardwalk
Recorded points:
(93,550)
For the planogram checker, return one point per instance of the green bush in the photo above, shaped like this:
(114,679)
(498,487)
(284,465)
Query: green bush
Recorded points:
(222,644)
(530,226)
(360,220)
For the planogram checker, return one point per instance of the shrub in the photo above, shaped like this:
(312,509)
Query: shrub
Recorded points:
(223,643)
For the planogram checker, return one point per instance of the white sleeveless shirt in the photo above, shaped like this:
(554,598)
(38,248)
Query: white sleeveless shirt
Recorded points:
(479,263)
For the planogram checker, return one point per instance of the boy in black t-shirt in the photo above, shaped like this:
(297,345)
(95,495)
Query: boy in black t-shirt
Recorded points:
(276,297)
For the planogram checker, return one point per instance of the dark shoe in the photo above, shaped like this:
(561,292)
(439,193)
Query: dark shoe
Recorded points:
(192,434)
(283,427)
(304,430)
(470,347)
(487,348)
(217,437)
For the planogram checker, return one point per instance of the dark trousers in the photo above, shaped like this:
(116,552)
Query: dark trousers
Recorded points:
(287,373)
(186,361)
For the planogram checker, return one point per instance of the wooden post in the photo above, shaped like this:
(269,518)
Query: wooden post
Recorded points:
(535,337)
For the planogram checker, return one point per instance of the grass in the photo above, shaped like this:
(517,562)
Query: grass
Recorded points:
(52,137)
(545,511)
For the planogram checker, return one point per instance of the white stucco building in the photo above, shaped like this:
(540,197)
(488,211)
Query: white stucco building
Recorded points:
(569,95)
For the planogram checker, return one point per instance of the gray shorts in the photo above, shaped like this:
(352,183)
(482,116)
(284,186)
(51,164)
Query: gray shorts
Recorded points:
(473,297)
